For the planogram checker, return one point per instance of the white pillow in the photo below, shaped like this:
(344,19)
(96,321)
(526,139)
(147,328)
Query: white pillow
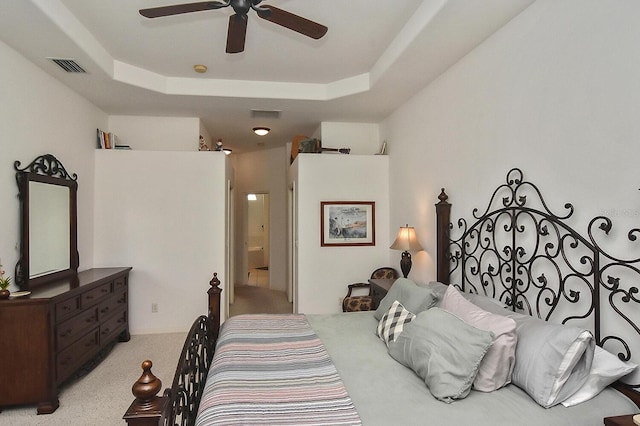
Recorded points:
(605,369)
(497,365)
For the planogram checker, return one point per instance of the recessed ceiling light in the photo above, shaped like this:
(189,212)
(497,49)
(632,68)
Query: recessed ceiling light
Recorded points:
(200,68)
(261,131)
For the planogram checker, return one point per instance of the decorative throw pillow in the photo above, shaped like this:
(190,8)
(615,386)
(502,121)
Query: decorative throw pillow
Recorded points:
(409,294)
(605,369)
(497,365)
(392,323)
(443,350)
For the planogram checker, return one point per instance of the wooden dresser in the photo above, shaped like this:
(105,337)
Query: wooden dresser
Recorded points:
(49,335)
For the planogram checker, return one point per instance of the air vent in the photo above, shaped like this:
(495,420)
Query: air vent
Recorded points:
(258,113)
(69,65)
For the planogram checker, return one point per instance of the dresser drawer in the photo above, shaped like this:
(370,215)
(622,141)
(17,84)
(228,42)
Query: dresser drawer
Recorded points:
(109,306)
(72,358)
(97,294)
(120,284)
(113,326)
(66,308)
(68,331)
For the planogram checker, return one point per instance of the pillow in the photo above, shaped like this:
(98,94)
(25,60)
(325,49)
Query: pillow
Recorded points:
(479,300)
(484,302)
(443,350)
(552,360)
(414,298)
(497,365)
(392,323)
(605,369)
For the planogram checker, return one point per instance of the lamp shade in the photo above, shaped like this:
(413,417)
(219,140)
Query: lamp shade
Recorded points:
(406,240)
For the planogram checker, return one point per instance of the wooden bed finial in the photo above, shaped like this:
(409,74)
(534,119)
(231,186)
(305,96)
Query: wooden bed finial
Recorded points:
(146,409)
(147,386)
(443,197)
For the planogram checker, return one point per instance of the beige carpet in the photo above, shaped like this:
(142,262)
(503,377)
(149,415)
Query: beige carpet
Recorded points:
(259,300)
(102,396)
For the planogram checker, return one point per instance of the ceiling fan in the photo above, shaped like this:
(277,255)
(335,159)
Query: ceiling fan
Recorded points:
(238,21)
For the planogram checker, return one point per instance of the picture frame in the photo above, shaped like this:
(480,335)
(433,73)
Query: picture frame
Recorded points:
(347,223)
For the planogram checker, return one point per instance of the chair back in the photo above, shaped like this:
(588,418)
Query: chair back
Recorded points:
(386,272)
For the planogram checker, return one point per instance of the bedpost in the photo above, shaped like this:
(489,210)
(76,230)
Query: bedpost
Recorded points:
(443,218)
(214,306)
(146,409)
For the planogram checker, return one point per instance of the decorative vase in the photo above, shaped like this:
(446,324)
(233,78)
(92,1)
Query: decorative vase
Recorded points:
(4,294)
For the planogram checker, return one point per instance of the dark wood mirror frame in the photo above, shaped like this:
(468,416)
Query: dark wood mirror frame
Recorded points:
(48,170)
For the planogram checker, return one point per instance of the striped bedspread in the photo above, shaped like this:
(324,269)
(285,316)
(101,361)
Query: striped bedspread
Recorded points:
(273,370)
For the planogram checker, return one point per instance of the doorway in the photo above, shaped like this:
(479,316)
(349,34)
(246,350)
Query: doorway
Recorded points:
(258,240)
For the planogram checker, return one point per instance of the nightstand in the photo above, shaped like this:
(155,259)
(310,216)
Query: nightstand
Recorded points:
(620,420)
(379,289)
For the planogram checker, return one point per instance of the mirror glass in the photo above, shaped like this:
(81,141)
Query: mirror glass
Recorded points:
(49,229)
(49,248)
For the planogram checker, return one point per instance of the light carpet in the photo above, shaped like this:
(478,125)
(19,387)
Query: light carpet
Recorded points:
(103,395)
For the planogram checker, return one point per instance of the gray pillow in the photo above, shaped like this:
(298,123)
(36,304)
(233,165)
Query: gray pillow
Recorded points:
(553,361)
(443,350)
(479,300)
(414,298)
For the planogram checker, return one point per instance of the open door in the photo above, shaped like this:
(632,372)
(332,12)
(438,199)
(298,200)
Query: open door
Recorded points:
(258,240)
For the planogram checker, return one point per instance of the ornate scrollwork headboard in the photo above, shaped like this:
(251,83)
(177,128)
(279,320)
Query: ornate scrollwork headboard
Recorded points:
(522,252)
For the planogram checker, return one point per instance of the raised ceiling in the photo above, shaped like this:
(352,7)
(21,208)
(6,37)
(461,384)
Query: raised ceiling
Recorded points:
(375,56)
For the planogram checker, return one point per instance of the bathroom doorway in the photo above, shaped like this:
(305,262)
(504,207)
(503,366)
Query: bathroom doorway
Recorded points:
(258,240)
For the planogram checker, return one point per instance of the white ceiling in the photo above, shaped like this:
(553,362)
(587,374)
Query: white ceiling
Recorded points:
(375,55)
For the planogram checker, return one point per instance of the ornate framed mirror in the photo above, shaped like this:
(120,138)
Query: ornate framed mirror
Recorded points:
(48,223)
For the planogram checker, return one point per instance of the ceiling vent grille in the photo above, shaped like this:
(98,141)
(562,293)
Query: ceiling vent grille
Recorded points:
(69,65)
(258,113)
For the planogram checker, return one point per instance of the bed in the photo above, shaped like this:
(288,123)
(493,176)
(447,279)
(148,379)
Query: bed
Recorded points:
(568,303)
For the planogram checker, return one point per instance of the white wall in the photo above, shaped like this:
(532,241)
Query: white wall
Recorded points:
(163,213)
(157,133)
(361,138)
(555,92)
(325,272)
(39,115)
(263,171)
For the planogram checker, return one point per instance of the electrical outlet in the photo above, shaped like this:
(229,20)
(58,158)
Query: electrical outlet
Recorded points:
(154,308)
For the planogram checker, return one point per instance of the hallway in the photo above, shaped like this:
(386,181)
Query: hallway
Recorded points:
(251,299)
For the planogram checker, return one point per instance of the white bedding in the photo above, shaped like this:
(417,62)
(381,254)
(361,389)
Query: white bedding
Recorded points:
(384,392)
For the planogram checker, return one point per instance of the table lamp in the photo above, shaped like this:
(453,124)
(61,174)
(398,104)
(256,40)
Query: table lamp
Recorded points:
(406,241)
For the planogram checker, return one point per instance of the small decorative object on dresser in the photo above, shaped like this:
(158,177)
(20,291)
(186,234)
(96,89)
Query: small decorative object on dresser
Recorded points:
(4,284)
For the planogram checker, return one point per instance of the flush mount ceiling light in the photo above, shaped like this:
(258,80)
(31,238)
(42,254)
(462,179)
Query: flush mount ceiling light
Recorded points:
(261,131)
(200,68)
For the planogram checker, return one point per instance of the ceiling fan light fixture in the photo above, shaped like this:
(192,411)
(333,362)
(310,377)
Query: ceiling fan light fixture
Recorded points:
(261,131)
(199,68)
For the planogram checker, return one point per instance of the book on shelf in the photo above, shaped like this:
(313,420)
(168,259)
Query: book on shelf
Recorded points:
(107,140)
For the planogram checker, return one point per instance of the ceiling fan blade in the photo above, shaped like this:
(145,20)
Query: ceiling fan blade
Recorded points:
(237,33)
(177,9)
(293,22)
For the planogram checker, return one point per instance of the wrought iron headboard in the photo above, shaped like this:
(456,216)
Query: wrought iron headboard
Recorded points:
(519,251)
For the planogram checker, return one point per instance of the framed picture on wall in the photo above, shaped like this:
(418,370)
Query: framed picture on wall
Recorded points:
(347,223)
